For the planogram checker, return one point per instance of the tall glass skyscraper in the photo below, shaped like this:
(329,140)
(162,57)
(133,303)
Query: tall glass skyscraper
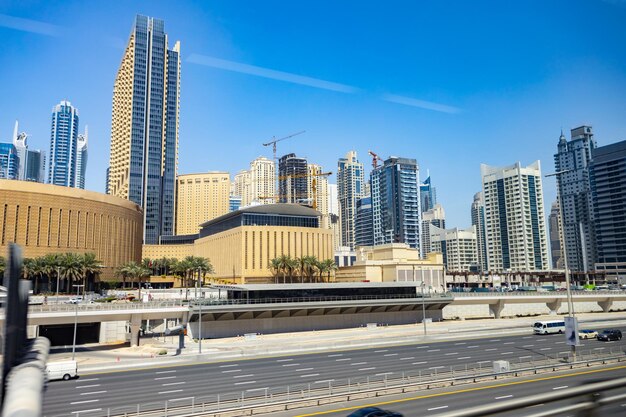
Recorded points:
(9,161)
(572,160)
(292,179)
(350,188)
(81,159)
(31,162)
(478,221)
(63,145)
(428,195)
(395,202)
(144,129)
(364,225)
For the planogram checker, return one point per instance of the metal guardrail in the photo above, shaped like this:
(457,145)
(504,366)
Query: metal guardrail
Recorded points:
(46,308)
(355,386)
(535,293)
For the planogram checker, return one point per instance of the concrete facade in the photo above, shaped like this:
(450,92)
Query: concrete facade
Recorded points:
(200,197)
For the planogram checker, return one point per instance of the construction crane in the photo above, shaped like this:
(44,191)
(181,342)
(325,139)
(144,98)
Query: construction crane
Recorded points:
(274,141)
(375,159)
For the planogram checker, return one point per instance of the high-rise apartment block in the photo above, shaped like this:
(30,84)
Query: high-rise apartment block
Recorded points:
(458,247)
(292,179)
(256,185)
(514,218)
(554,230)
(144,130)
(81,159)
(571,162)
(317,190)
(31,162)
(200,198)
(350,188)
(9,161)
(395,202)
(428,195)
(608,188)
(334,221)
(63,165)
(364,224)
(478,221)
(435,216)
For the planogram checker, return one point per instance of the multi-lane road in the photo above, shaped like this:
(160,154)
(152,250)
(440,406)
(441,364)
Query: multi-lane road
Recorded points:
(98,392)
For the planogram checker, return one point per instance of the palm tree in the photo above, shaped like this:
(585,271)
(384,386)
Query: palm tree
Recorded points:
(284,262)
(310,264)
(292,266)
(275,268)
(71,269)
(52,267)
(321,270)
(2,266)
(37,269)
(330,266)
(90,267)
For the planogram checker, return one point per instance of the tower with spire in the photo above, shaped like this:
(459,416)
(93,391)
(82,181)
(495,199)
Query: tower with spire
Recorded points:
(31,163)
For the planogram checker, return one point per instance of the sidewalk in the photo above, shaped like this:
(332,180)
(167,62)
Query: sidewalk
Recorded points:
(215,350)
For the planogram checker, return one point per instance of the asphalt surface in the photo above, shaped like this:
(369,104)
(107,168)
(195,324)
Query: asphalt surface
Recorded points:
(123,390)
(463,397)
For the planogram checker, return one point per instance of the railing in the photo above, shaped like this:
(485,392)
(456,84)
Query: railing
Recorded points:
(360,386)
(45,308)
(535,293)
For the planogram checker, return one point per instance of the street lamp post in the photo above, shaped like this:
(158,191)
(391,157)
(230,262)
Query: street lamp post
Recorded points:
(78,286)
(424,306)
(199,304)
(570,301)
(58,278)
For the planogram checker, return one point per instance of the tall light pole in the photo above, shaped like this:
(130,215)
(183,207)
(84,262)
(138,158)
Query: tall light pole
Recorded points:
(199,303)
(570,301)
(424,306)
(75,320)
(58,278)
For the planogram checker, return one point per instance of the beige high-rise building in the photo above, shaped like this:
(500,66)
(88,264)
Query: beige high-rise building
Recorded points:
(256,185)
(200,198)
(320,193)
(144,127)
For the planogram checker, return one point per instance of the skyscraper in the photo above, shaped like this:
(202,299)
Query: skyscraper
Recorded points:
(262,181)
(144,130)
(292,179)
(200,198)
(458,247)
(364,225)
(428,195)
(9,161)
(31,162)
(608,188)
(395,202)
(514,219)
(81,159)
(334,222)
(478,221)
(63,145)
(572,162)
(554,228)
(350,188)
(317,190)
(435,216)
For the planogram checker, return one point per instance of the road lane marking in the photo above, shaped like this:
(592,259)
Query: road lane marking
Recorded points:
(282,360)
(527,346)
(433,350)
(503,396)
(245,382)
(87,411)
(84,402)
(527,337)
(422,347)
(228,366)
(598,348)
(545,349)
(494,340)
(323,381)
(541,340)
(367,369)
(508,343)
(472,347)
(88,386)
(418,363)
(304,369)
(391,354)
(231,370)
(436,367)
(464,357)
(483,361)
(343,359)
(92,393)
(291,364)
(525,357)
(561,387)
(452,353)
(164,372)
(382,350)
(169,392)
(164,377)
(173,383)
(358,363)
(506,353)
(335,354)
(309,375)
(437,408)
(407,359)
(257,389)
(442,394)
(489,350)
(384,373)
(180,399)
(89,380)
(243,376)
(461,343)
(559,343)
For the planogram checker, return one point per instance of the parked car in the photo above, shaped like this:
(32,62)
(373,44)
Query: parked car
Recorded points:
(608,335)
(587,334)
(75,300)
(374,412)
(64,370)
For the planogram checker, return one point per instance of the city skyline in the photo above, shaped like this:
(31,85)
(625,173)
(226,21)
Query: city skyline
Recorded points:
(227,77)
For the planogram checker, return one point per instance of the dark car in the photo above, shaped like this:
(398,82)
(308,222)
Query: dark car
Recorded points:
(374,412)
(608,335)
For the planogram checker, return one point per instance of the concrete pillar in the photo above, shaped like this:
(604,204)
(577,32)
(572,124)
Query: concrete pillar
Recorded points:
(554,306)
(606,305)
(135,324)
(496,308)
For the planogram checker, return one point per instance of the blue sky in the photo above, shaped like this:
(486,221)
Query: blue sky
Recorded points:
(452,84)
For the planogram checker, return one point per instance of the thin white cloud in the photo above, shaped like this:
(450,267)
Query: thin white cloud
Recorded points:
(414,102)
(270,73)
(29,25)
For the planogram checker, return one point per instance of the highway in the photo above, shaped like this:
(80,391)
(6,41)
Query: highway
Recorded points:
(463,397)
(124,389)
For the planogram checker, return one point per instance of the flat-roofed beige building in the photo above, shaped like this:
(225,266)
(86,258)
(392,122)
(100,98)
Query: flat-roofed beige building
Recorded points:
(199,198)
(44,218)
(241,244)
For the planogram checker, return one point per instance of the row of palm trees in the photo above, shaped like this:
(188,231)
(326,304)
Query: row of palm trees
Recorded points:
(304,269)
(191,270)
(56,272)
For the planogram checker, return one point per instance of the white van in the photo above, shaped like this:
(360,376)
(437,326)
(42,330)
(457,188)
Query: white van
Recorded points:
(552,326)
(62,370)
